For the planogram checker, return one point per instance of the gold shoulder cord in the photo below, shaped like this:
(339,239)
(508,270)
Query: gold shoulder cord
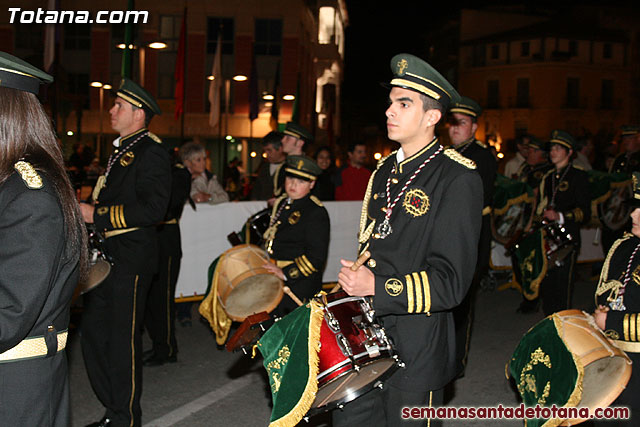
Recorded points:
(603,285)
(270,234)
(365,232)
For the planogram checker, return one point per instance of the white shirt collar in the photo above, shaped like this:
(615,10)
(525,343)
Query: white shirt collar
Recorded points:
(400,155)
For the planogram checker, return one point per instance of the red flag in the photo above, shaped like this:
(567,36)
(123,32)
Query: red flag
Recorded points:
(179,71)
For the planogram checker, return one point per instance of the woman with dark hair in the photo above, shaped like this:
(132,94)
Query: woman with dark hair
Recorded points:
(325,188)
(42,255)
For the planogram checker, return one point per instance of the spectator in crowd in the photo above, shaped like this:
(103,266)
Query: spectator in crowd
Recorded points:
(584,147)
(268,170)
(231,175)
(205,187)
(324,188)
(351,181)
(513,165)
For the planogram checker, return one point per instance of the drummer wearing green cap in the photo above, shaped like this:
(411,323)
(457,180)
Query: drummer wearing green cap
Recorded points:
(298,233)
(129,200)
(563,197)
(43,253)
(421,219)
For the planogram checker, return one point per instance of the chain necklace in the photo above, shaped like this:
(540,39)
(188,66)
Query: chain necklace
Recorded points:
(102,179)
(554,186)
(617,303)
(270,234)
(384,229)
(115,156)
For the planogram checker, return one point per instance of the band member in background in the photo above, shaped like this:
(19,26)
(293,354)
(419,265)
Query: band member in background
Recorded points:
(532,171)
(42,254)
(421,220)
(267,171)
(293,143)
(130,199)
(160,312)
(463,123)
(618,302)
(627,162)
(298,233)
(564,198)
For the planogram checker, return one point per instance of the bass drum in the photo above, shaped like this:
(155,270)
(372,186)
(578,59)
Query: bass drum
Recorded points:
(614,212)
(245,287)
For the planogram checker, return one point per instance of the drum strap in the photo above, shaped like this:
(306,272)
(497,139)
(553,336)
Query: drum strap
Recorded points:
(113,233)
(30,348)
(629,347)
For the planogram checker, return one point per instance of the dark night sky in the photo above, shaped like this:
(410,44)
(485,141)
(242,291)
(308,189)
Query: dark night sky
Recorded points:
(378,30)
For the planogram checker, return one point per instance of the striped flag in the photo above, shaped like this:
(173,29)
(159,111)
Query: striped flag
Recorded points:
(216,84)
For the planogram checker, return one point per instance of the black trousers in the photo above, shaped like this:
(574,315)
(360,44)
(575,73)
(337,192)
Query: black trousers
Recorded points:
(555,289)
(160,311)
(112,345)
(383,408)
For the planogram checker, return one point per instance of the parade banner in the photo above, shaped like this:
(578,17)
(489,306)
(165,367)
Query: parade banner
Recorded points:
(290,350)
(510,213)
(545,371)
(212,310)
(531,257)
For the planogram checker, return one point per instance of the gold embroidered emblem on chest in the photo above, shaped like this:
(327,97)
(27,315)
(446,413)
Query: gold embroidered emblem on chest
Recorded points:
(416,202)
(564,186)
(127,159)
(294,217)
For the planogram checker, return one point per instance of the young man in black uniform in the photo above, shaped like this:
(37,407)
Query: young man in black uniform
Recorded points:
(298,233)
(160,311)
(626,162)
(293,141)
(43,249)
(130,200)
(463,123)
(536,164)
(421,220)
(532,171)
(564,198)
(618,302)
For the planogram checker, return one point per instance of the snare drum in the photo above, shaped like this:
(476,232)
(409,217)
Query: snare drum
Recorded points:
(244,286)
(99,261)
(355,355)
(558,243)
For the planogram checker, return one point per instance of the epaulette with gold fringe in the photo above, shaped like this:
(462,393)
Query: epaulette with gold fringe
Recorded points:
(155,137)
(29,174)
(316,201)
(459,158)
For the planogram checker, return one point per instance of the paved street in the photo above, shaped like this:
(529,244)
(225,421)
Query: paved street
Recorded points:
(211,387)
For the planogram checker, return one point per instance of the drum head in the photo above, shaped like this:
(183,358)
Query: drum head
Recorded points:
(352,384)
(261,292)
(98,272)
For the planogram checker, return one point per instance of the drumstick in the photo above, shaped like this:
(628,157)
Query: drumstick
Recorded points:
(356,265)
(287,290)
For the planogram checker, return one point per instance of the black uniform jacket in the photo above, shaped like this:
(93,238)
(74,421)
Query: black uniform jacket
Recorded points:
(622,325)
(302,237)
(424,268)
(533,175)
(626,163)
(572,198)
(37,279)
(136,194)
(486,166)
(170,230)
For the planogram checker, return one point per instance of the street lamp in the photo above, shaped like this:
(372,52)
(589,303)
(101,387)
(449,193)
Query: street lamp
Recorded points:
(102,87)
(142,53)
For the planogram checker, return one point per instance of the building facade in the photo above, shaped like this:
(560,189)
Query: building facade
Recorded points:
(297,47)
